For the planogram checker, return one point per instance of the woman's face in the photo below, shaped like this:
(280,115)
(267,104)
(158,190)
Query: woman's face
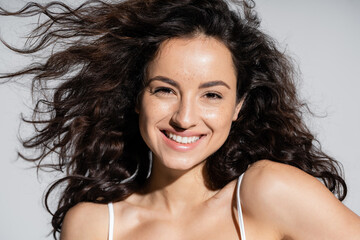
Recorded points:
(189,102)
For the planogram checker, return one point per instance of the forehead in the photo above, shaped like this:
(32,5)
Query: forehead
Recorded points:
(200,57)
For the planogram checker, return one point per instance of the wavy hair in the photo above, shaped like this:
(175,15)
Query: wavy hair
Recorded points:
(101,54)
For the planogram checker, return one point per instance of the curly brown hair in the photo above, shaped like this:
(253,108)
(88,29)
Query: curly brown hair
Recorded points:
(102,52)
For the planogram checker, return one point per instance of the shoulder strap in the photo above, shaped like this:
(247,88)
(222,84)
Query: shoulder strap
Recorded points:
(111,221)
(238,205)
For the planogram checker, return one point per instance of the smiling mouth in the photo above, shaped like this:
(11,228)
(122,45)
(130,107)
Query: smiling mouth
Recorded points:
(180,139)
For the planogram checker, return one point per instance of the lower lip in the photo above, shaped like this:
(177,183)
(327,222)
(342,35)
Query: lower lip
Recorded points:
(181,147)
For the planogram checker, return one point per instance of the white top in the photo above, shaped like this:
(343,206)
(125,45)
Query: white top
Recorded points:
(238,206)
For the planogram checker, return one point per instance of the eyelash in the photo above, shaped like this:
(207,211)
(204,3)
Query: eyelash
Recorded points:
(163,90)
(166,91)
(212,95)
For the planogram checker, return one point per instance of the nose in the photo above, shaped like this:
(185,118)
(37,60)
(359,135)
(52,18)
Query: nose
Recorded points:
(185,115)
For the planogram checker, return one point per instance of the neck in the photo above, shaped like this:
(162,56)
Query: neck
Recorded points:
(177,190)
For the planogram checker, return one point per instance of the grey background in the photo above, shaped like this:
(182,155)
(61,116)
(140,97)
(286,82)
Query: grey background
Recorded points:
(322,36)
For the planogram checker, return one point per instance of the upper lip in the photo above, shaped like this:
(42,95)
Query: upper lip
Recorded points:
(185,133)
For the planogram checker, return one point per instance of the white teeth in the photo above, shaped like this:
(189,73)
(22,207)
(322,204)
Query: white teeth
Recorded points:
(184,140)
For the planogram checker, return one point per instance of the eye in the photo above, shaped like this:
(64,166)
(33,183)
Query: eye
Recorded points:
(213,95)
(163,91)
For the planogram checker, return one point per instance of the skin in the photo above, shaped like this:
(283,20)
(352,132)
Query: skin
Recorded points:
(278,201)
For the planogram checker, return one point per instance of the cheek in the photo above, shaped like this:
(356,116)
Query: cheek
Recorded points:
(152,111)
(219,117)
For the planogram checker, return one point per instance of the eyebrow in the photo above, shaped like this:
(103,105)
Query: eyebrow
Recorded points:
(214,83)
(175,84)
(165,80)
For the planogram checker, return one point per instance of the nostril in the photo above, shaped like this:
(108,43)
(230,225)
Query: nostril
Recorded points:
(184,119)
(177,126)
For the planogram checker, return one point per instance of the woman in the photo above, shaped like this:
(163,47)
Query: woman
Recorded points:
(212,99)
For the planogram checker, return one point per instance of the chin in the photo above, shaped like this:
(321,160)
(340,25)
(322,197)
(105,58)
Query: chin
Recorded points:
(182,164)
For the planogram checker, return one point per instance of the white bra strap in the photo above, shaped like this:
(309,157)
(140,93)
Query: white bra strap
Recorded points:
(238,204)
(111,221)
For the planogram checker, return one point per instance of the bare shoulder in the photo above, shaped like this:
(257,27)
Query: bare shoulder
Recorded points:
(269,182)
(295,203)
(269,176)
(261,178)
(86,221)
(276,185)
